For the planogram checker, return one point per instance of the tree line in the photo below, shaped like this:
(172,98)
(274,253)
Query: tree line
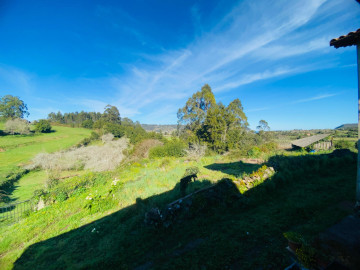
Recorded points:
(202,121)
(74,118)
(109,121)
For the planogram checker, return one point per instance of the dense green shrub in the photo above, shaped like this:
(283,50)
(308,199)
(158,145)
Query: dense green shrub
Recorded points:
(254,152)
(51,182)
(141,149)
(39,193)
(191,171)
(61,196)
(43,126)
(99,124)
(86,141)
(94,136)
(115,129)
(268,147)
(175,148)
(87,124)
(342,144)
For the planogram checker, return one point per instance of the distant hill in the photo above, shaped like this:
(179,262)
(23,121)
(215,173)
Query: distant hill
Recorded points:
(158,128)
(347,126)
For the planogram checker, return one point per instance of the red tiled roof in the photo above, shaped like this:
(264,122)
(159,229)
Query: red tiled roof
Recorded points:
(353,38)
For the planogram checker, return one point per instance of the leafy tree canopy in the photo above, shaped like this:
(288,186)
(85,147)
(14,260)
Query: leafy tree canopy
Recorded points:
(235,116)
(194,112)
(43,126)
(263,126)
(218,125)
(112,115)
(12,107)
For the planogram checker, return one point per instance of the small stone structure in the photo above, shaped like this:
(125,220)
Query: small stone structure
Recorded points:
(312,140)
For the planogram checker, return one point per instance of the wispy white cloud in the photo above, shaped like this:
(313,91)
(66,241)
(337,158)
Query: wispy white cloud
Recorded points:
(255,41)
(13,79)
(320,45)
(282,105)
(218,57)
(318,97)
(250,78)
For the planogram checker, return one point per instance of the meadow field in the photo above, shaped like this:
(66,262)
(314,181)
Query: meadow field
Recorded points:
(97,220)
(18,150)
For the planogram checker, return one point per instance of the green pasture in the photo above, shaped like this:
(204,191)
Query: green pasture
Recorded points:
(304,196)
(18,150)
(25,187)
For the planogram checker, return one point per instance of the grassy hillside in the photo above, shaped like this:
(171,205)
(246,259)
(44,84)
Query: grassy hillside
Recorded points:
(17,150)
(222,231)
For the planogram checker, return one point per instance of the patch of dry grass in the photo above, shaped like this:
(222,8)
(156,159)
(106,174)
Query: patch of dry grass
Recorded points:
(95,158)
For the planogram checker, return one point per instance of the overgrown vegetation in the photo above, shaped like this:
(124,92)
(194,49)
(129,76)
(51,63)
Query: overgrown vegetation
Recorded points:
(96,158)
(88,211)
(221,128)
(42,126)
(250,195)
(173,148)
(17,126)
(17,150)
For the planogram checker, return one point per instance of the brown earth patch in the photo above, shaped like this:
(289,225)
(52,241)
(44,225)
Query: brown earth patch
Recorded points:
(252,160)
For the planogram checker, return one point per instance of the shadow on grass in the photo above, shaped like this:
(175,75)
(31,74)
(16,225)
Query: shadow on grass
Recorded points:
(31,134)
(223,230)
(234,168)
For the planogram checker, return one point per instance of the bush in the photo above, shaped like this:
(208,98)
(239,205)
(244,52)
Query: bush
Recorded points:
(268,147)
(94,136)
(84,142)
(142,149)
(96,158)
(87,124)
(165,162)
(191,171)
(254,152)
(196,150)
(99,124)
(170,149)
(43,126)
(53,179)
(17,126)
(342,144)
(61,196)
(115,129)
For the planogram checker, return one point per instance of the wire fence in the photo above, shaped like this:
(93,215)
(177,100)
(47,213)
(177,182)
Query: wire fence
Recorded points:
(12,213)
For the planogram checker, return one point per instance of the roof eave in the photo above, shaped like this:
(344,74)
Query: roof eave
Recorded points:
(351,39)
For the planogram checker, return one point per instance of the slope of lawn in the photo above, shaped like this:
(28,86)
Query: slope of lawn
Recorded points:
(97,220)
(26,185)
(17,150)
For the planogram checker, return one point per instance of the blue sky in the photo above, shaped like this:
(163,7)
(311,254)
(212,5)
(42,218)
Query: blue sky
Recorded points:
(148,57)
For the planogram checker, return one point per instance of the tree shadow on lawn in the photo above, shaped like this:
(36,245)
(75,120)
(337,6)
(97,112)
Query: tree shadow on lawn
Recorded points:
(217,232)
(234,168)
(8,193)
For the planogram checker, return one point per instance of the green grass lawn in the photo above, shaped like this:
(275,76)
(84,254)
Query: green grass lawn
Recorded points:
(25,187)
(18,150)
(303,195)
